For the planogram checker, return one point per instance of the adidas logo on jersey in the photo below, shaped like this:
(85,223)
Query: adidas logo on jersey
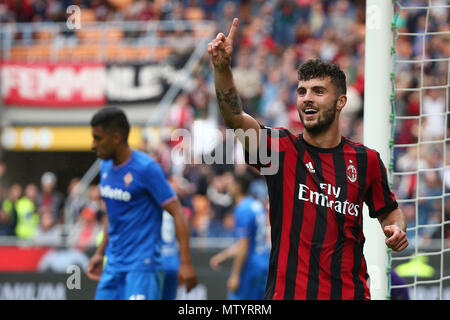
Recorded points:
(310,167)
(115,193)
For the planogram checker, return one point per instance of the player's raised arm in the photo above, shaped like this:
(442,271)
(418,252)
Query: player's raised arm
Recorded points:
(220,52)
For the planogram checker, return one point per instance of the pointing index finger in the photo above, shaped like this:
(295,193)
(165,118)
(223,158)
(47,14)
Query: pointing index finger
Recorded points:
(233,30)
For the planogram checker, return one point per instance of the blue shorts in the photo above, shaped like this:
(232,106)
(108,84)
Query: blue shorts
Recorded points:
(132,285)
(170,286)
(252,285)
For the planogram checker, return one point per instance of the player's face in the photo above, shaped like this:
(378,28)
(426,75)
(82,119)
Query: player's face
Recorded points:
(103,143)
(317,104)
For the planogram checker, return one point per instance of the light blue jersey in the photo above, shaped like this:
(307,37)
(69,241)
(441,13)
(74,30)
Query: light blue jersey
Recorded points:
(134,193)
(251,223)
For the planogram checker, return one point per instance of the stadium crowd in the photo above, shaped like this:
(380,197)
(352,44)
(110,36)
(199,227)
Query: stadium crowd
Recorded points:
(274,38)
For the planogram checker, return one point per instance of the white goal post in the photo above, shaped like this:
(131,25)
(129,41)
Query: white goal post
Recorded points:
(407,119)
(377,127)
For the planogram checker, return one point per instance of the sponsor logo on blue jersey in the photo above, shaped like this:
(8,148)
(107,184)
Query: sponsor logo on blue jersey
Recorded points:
(115,193)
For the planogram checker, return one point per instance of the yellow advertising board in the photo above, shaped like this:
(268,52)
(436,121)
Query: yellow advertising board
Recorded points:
(56,138)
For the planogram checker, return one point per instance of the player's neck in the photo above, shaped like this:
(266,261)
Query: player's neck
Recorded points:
(123,154)
(326,140)
(238,198)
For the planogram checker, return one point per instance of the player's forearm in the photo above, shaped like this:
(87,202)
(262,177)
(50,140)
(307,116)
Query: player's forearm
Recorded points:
(228,99)
(230,251)
(240,256)
(181,229)
(101,249)
(182,233)
(395,217)
(226,253)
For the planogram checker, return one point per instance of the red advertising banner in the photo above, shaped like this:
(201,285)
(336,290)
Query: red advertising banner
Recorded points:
(21,259)
(53,84)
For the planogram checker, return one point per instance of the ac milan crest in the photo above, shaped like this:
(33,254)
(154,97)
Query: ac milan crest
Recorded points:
(352,174)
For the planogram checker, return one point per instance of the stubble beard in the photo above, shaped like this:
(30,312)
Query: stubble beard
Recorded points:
(323,122)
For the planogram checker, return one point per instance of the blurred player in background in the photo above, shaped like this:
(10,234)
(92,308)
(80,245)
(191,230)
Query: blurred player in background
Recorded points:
(248,276)
(136,192)
(170,258)
(318,189)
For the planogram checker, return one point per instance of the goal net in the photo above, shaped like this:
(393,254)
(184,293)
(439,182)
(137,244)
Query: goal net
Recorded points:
(420,146)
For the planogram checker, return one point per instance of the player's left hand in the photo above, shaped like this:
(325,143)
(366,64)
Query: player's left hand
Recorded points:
(396,238)
(187,276)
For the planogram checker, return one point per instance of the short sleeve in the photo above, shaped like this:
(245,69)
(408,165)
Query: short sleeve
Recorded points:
(265,160)
(243,219)
(379,197)
(156,183)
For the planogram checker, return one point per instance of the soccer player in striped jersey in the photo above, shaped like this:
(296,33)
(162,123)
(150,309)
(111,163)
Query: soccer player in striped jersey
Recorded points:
(136,192)
(317,188)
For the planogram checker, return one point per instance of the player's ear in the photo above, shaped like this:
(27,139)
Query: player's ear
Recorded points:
(342,100)
(117,137)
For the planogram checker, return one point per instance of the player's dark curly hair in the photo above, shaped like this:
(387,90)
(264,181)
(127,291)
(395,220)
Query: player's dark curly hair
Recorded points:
(112,119)
(318,68)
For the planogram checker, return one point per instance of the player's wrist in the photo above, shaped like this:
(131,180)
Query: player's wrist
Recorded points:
(100,253)
(186,262)
(222,69)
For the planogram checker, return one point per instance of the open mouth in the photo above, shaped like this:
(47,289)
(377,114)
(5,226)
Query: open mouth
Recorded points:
(310,111)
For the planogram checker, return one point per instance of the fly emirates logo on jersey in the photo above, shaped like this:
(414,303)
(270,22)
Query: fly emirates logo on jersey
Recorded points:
(322,199)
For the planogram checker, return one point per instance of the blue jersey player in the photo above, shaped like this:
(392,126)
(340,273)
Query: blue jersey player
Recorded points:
(251,252)
(170,258)
(136,193)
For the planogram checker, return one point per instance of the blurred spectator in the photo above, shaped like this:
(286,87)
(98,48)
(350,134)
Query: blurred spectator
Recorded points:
(3,181)
(341,16)
(286,17)
(219,193)
(84,232)
(429,209)
(408,162)
(200,98)
(410,215)
(258,189)
(317,18)
(47,233)
(447,224)
(227,11)
(185,191)
(201,216)
(8,211)
(271,90)
(27,216)
(434,115)
(181,113)
(74,201)
(50,199)
(248,82)
(276,113)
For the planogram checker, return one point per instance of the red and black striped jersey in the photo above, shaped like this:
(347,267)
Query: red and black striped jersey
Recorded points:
(316,199)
